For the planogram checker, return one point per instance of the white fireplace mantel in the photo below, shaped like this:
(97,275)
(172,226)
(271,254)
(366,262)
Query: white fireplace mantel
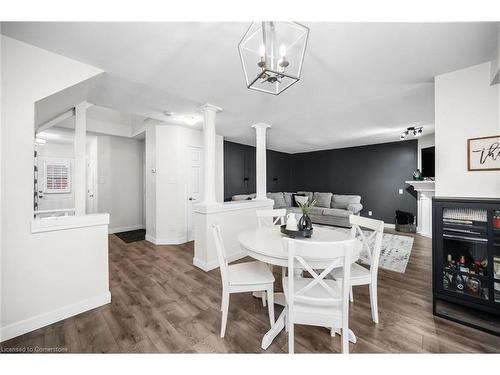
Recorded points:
(425,191)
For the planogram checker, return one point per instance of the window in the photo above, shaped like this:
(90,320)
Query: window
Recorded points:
(57,177)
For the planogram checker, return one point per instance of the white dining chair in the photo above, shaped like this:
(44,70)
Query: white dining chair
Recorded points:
(242,277)
(271,217)
(372,244)
(318,301)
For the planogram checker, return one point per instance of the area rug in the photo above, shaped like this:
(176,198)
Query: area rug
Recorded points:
(395,252)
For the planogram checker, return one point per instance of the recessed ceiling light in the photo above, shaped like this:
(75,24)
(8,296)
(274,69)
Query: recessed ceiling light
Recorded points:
(191,120)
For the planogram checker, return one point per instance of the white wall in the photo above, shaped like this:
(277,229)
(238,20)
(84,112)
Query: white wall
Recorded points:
(424,141)
(45,273)
(120,181)
(466,106)
(166,190)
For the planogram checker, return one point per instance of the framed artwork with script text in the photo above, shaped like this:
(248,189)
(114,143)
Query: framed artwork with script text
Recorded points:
(483,154)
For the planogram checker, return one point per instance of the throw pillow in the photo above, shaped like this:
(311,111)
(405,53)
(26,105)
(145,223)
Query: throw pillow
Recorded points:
(302,199)
(288,199)
(278,198)
(294,202)
(323,199)
(308,194)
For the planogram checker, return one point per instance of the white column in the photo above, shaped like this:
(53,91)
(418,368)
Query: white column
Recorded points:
(79,183)
(261,173)
(209,112)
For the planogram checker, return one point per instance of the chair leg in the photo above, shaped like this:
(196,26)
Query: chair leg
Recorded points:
(290,333)
(224,308)
(263,296)
(351,296)
(332,332)
(373,302)
(270,305)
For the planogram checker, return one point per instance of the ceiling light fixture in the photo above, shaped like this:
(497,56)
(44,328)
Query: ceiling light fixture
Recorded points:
(415,130)
(191,120)
(272,54)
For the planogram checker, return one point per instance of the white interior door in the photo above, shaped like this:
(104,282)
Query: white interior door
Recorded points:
(194,159)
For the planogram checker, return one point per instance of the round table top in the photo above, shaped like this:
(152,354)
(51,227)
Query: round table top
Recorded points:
(266,243)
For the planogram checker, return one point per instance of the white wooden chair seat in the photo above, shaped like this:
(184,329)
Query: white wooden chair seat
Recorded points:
(251,273)
(359,274)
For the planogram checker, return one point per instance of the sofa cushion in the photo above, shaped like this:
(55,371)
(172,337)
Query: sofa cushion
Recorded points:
(278,198)
(342,201)
(316,211)
(308,194)
(295,210)
(323,199)
(288,199)
(336,212)
(241,197)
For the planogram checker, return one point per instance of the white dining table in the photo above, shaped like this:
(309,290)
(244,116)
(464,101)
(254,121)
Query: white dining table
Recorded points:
(266,244)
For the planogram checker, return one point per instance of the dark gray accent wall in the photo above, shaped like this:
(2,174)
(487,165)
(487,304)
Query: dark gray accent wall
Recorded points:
(239,170)
(376,172)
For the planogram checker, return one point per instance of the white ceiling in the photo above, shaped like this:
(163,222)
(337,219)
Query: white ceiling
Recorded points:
(362,82)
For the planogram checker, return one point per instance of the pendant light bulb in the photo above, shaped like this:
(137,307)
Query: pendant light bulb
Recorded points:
(282,50)
(262,51)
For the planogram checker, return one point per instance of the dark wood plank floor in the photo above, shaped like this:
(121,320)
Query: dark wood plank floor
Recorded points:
(162,303)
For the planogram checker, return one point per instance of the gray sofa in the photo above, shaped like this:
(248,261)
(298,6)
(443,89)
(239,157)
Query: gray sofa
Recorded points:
(330,209)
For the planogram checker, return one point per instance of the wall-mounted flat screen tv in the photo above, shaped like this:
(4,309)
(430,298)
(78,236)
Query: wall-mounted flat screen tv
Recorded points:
(428,162)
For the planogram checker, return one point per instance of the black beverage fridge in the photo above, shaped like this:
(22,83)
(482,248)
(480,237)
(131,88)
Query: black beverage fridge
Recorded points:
(466,261)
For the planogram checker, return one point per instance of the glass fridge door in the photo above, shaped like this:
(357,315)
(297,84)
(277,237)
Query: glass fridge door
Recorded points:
(495,225)
(465,266)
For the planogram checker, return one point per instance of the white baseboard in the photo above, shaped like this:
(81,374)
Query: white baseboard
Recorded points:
(208,266)
(166,241)
(124,229)
(45,319)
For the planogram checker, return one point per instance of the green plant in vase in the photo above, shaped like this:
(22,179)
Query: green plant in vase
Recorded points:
(305,222)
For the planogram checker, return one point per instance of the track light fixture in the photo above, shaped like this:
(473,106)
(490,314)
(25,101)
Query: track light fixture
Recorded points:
(415,130)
